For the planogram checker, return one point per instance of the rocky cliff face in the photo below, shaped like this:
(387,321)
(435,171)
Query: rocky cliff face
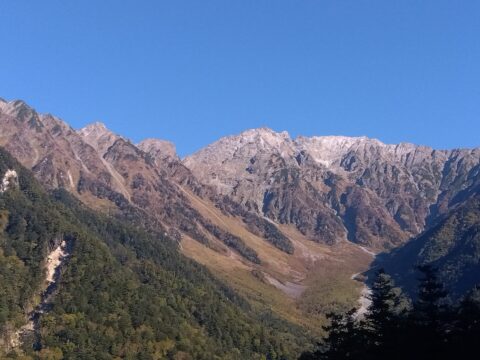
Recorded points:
(55,152)
(111,174)
(452,247)
(248,206)
(159,149)
(334,187)
(330,188)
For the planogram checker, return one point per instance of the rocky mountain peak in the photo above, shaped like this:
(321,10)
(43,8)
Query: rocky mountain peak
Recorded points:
(246,145)
(95,129)
(158,149)
(264,138)
(17,108)
(98,136)
(265,133)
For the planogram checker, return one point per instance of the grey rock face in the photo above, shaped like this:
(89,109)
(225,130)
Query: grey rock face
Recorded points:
(159,149)
(111,174)
(331,188)
(336,187)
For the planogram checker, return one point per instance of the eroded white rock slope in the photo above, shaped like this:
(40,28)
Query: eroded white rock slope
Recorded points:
(9,178)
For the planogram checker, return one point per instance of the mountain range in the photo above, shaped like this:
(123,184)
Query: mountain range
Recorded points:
(287,224)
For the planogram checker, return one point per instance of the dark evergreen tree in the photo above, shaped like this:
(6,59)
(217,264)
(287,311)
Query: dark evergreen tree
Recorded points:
(384,320)
(432,329)
(431,296)
(429,330)
(467,333)
(343,340)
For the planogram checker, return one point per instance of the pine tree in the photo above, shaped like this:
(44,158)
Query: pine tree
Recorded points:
(383,321)
(468,326)
(344,334)
(433,329)
(431,293)
(428,327)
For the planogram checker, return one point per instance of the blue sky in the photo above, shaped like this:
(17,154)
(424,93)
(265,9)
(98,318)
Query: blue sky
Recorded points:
(193,71)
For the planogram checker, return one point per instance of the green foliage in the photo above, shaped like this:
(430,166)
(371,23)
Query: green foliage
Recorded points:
(124,292)
(257,225)
(430,329)
(452,247)
(269,232)
(29,225)
(233,242)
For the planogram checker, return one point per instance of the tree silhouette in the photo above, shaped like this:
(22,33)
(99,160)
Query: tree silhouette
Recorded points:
(392,329)
(384,319)
(429,330)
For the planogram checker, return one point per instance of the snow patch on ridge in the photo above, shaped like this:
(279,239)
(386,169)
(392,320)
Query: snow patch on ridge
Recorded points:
(329,150)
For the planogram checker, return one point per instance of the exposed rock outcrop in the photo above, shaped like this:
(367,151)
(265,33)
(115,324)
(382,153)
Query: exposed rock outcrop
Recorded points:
(336,187)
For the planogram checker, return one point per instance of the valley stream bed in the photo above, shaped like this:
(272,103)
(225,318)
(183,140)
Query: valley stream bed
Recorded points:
(55,260)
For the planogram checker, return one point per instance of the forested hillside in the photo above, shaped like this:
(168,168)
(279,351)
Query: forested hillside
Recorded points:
(452,247)
(274,266)
(122,293)
(396,328)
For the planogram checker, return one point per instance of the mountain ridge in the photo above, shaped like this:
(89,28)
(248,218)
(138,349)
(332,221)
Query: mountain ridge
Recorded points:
(244,166)
(342,178)
(249,251)
(279,219)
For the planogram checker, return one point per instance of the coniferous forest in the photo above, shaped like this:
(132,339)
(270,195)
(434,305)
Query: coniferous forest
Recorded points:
(125,293)
(429,327)
(239,180)
(128,293)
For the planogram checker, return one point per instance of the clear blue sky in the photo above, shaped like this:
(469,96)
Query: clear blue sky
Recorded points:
(193,71)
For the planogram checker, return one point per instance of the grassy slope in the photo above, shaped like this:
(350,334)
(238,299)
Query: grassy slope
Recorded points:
(324,271)
(126,292)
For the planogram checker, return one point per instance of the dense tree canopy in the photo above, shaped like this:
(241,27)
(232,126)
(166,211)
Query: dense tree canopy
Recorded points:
(430,328)
(123,293)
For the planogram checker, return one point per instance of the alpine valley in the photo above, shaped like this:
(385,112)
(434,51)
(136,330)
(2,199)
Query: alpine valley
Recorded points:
(115,250)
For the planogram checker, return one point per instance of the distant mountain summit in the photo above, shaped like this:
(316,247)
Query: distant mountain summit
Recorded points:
(98,136)
(336,187)
(331,188)
(161,149)
(279,219)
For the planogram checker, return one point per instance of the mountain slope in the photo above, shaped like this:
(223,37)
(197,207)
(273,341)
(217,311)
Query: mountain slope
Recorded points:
(105,171)
(452,247)
(248,206)
(334,188)
(122,292)
(149,186)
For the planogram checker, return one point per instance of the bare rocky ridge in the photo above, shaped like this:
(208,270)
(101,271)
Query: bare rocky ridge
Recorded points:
(159,149)
(98,136)
(331,188)
(108,172)
(252,203)
(335,187)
